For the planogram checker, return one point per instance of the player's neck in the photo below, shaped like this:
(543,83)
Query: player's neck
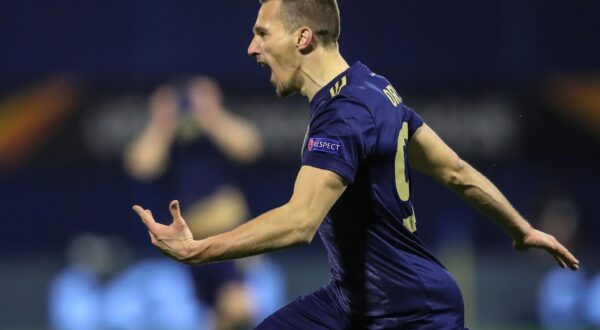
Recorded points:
(319,69)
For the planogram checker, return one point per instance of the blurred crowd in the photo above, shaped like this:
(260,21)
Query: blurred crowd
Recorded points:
(188,148)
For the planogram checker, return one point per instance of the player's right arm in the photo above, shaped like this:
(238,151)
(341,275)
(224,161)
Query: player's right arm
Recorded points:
(430,155)
(316,190)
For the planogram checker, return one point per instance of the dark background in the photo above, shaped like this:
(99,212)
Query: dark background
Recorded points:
(511,85)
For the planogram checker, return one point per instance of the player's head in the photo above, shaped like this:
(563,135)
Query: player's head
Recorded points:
(287,30)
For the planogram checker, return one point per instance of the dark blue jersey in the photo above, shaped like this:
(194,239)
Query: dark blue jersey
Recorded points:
(359,128)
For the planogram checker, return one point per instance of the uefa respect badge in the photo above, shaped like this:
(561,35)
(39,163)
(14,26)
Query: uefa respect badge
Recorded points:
(324,145)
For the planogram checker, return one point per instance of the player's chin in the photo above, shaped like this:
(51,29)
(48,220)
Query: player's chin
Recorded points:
(282,91)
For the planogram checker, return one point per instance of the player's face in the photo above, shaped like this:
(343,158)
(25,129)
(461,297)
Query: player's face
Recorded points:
(275,49)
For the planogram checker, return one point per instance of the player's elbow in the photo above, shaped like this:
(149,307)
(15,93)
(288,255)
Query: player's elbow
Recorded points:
(305,225)
(305,231)
(308,234)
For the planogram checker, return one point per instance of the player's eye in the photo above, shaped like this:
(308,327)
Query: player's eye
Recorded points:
(260,32)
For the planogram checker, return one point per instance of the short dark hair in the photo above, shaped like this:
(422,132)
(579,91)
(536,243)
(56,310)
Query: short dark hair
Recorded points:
(321,16)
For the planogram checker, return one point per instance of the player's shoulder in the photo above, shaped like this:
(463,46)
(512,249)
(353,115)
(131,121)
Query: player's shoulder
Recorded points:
(359,92)
(367,88)
(345,106)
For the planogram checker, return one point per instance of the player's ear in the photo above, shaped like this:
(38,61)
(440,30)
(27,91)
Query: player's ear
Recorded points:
(305,40)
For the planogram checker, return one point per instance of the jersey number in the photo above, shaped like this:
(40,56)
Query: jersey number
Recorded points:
(402,184)
(400,165)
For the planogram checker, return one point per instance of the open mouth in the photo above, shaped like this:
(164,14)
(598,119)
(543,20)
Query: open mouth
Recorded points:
(266,66)
(263,65)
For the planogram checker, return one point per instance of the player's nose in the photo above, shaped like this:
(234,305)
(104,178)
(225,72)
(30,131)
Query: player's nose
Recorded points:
(253,49)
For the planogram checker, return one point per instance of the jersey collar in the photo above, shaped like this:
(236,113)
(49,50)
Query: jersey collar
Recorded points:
(333,88)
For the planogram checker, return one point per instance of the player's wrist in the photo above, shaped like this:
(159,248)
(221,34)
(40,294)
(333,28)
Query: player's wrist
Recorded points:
(521,231)
(196,253)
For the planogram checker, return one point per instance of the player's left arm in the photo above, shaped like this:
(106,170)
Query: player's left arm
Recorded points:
(430,155)
(296,222)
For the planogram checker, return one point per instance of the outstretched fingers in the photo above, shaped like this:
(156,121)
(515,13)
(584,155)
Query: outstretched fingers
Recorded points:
(560,262)
(176,212)
(153,238)
(145,215)
(565,258)
(538,239)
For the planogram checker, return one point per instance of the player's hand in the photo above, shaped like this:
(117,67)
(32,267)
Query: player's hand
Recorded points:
(538,239)
(175,240)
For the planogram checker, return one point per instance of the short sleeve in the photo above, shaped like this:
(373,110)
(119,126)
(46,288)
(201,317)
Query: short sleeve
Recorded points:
(339,138)
(413,119)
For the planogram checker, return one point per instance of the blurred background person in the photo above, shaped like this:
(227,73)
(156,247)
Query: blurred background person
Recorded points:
(102,287)
(195,143)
